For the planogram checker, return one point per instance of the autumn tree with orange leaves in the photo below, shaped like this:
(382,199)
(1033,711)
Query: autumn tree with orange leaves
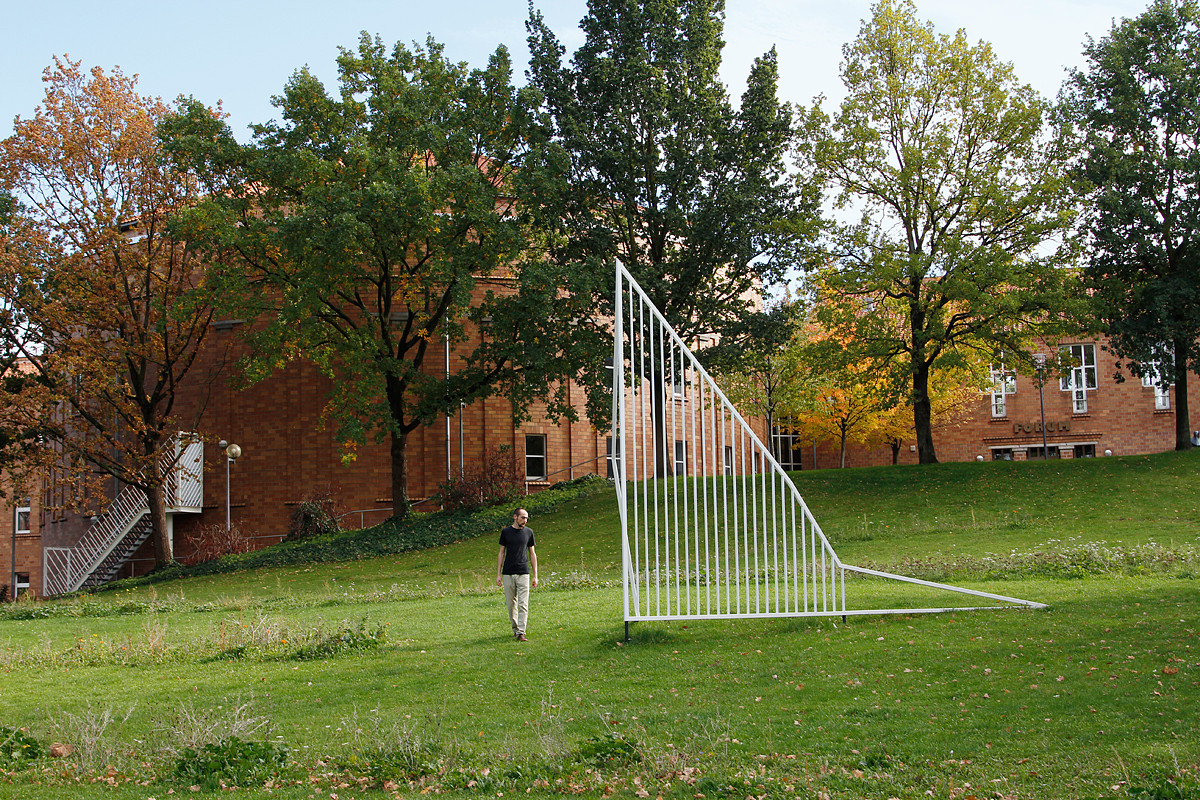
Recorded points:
(102,303)
(838,393)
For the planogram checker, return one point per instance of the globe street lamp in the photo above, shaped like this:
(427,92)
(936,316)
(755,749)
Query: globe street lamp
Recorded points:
(232,453)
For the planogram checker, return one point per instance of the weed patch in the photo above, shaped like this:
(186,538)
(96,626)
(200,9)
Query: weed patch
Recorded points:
(346,640)
(230,762)
(17,748)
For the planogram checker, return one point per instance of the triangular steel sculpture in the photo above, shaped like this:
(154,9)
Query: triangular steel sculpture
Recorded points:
(711,525)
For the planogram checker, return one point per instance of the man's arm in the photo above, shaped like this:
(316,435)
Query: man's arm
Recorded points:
(533,566)
(500,567)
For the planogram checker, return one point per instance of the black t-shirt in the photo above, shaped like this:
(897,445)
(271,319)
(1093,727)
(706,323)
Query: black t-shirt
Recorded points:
(516,543)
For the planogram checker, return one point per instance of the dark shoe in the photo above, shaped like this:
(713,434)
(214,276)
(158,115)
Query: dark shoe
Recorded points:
(521,637)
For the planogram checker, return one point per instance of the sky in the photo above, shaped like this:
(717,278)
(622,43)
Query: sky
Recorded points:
(242,53)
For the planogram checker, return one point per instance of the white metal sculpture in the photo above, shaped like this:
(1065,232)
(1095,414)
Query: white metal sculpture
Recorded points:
(711,524)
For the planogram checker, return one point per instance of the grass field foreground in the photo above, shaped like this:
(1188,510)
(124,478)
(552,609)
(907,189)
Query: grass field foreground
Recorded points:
(396,675)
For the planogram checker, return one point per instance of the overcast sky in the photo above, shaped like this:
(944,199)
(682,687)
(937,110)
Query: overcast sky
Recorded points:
(242,53)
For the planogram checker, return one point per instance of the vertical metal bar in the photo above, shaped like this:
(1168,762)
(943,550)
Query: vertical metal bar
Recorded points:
(824,582)
(630,484)
(797,572)
(706,480)
(691,512)
(752,526)
(774,536)
(812,540)
(747,477)
(674,526)
(618,435)
(736,570)
(725,504)
(651,510)
(843,574)
(646,475)
(659,426)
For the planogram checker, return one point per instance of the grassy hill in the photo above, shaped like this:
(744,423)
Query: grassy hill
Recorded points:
(396,673)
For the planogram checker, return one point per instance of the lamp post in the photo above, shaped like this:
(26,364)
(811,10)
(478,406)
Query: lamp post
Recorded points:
(232,453)
(1039,360)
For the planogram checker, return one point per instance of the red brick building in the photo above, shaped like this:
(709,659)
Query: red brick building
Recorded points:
(289,457)
(1087,414)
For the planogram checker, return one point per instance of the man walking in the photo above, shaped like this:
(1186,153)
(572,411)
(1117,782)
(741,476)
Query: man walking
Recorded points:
(514,564)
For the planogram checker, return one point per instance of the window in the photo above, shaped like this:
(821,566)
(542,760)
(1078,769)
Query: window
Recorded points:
(1004,383)
(611,459)
(787,448)
(1082,378)
(680,458)
(1152,377)
(535,456)
(1085,451)
(22,584)
(677,380)
(21,516)
(728,465)
(1002,454)
(1035,453)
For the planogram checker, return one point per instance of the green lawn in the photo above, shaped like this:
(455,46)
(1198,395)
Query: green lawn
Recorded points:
(396,674)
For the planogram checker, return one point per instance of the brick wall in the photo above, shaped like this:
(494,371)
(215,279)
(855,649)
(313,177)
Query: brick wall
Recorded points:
(1120,417)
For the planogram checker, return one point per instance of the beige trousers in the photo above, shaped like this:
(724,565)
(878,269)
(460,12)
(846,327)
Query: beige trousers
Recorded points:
(516,600)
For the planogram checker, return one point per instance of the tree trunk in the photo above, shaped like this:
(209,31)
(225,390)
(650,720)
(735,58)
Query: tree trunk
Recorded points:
(1183,420)
(164,551)
(664,461)
(895,453)
(923,413)
(399,444)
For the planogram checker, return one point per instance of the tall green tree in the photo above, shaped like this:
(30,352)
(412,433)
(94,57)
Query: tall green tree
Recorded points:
(1138,104)
(372,228)
(962,207)
(753,363)
(661,171)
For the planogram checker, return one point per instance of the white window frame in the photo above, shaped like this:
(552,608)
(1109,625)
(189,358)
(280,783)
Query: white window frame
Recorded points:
(533,458)
(1152,379)
(786,448)
(680,457)
(727,460)
(677,381)
(23,513)
(1082,378)
(1004,383)
(611,459)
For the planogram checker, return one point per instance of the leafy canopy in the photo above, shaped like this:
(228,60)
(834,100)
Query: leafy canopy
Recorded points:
(1137,104)
(104,305)
(962,206)
(373,228)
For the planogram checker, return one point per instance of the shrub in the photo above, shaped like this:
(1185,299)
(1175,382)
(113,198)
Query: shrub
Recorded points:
(315,516)
(213,541)
(493,481)
(230,762)
(17,748)
(346,640)
(608,749)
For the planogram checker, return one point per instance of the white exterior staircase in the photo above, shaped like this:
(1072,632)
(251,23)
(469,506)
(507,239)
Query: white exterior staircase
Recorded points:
(124,526)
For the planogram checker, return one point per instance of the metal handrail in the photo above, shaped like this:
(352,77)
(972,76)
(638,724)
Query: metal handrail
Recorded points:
(564,469)
(108,529)
(362,512)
